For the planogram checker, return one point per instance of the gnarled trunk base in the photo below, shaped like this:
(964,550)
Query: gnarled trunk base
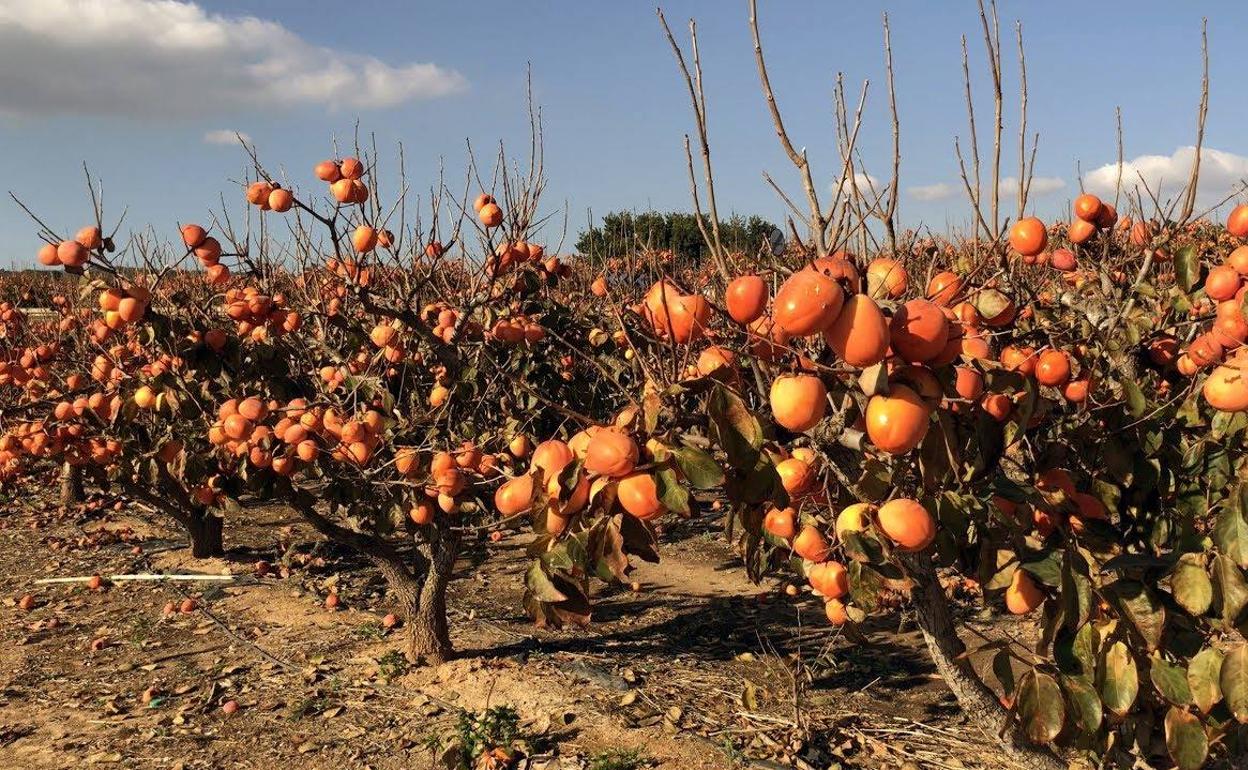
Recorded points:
(977,700)
(428,633)
(419,588)
(205,532)
(71,485)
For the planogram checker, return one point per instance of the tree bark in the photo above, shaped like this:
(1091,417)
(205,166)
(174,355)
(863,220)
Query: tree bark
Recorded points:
(205,532)
(71,485)
(428,633)
(947,651)
(420,587)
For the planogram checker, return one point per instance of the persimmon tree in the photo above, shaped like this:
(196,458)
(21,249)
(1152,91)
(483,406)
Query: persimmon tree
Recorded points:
(1050,416)
(110,379)
(1054,414)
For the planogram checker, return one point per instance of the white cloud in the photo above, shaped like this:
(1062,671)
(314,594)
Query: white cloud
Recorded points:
(225,136)
(171,58)
(1040,185)
(1166,175)
(933,192)
(868,186)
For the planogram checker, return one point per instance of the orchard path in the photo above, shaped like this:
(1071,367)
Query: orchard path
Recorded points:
(695,670)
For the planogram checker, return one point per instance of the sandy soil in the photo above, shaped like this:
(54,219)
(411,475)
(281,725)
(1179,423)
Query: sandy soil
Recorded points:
(698,669)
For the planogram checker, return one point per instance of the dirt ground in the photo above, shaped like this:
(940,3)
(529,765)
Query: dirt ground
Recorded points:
(698,669)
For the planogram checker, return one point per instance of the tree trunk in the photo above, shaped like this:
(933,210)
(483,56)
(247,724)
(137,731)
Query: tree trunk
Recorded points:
(71,485)
(205,533)
(419,588)
(977,700)
(428,633)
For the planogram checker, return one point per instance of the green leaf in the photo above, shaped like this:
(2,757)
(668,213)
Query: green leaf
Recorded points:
(1230,529)
(1204,678)
(734,428)
(1141,607)
(991,303)
(1233,591)
(1075,595)
(699,468)
(1135,398)
(1075,654)
(1234,681)
(1119,679)
(1003,670)
(865,586)
(1170,680)
(540,586)
(1040,707)
(674,497)
(1186,739)
(1085,704)
(1191,586)
(651,406)
(1045,567)
(1187,267)
(760,483)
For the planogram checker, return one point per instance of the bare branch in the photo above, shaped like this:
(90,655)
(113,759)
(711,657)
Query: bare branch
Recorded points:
(1189,203)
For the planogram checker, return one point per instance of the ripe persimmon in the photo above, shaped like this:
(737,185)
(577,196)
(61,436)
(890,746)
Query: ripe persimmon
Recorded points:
(1053,368)
(781,522)
(830,579)
(1237,221)
(514,496)
(1023,595)
(798,402)
(193,235)
(351,168)
(144,397)
(907,523)
(130,309)
(1080,231)
(807,303)
(327,171)
(490,215)
(1238,259)
(897,421)
(1222,283)
(281,200)
(611,452)
(1226,388)
(72,254)
(715,361)
(746,298)
(258,193)
(364,238)
(1028,236)
(48,255)
(886,278)
(1088,207)
(811,545)
(1108,216)
(860,333)
(944,288)
(796,476)
(638,494)
(90,237)
(918,331)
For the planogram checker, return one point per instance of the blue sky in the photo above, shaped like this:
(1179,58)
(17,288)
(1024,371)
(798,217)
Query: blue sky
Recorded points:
(135,88)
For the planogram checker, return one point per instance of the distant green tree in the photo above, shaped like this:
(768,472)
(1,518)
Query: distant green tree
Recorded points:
(623,231)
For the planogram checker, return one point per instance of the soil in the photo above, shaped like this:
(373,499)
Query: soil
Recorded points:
(697,669)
